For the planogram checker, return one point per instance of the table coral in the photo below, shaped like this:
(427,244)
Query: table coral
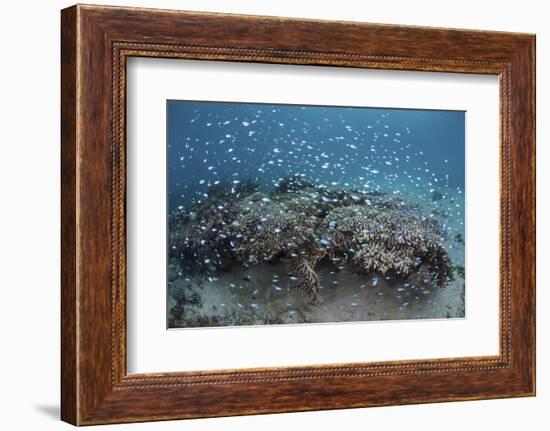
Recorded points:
(300,225)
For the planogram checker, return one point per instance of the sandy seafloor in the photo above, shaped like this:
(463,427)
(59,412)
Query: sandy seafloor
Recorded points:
(260,294)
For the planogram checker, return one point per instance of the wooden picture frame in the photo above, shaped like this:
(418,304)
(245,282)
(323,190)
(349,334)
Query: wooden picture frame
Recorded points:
(96,41)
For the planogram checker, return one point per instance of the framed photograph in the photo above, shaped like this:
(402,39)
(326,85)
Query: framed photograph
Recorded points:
(264,215)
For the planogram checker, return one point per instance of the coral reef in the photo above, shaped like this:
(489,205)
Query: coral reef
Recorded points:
(300,225)
(387,238)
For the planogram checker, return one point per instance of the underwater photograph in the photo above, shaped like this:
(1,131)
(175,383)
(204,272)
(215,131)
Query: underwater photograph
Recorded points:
(303,214)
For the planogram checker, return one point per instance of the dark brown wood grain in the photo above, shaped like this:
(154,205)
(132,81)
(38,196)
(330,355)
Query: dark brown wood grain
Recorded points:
(68,217)
(96,41)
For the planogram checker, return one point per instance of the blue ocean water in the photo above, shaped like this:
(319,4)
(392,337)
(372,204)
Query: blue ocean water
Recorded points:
(379,149)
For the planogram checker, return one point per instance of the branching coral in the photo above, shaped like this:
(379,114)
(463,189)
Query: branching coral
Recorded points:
(387,238)
(302,225)
(305,279)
